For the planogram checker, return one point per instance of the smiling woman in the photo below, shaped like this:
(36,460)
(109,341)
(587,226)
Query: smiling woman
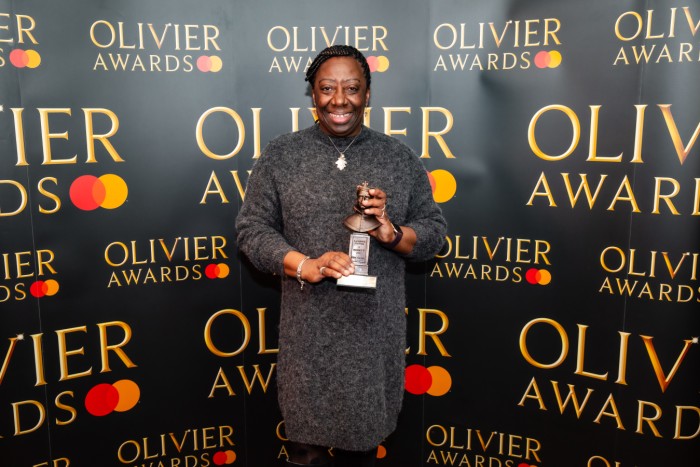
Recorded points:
(341,350)
(340,92)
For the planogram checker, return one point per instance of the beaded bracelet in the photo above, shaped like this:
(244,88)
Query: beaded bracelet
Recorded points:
(301,281)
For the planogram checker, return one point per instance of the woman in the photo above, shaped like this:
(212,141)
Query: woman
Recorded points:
(341,363)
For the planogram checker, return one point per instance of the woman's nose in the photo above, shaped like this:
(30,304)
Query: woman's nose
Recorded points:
(339,97)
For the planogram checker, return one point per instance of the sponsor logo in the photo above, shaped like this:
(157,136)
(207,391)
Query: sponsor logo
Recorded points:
(26,357)
(18,53)
(192,447)
(294,48)
(87,192)
(497,259)
(658,37)
(460,445)
(24,273)
(595,189)
(155,48)
(654,275)
(505,46)
(105,398)
(597,403)
(163,261)
(434,380)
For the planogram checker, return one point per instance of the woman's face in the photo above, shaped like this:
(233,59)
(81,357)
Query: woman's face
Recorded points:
(340,95)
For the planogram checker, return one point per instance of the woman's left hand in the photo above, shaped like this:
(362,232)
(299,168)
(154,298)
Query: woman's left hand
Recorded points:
(376,206)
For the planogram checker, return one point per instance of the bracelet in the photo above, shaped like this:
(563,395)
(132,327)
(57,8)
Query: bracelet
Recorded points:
(301,281)
(399,235)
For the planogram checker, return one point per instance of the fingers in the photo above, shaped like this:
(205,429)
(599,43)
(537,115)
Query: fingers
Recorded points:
(376,205)
(335,264)
(377,195)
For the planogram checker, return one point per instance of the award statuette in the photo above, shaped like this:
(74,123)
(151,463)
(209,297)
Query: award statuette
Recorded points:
(360,223)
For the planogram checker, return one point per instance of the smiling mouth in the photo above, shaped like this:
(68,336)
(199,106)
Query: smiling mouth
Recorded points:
(340,117)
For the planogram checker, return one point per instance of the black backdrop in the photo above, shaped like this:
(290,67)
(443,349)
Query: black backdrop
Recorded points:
(558,327)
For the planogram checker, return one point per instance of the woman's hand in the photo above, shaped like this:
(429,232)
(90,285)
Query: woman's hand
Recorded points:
(387,233)
(335,264)
(376,206)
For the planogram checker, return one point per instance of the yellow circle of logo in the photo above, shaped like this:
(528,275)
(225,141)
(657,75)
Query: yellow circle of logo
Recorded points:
(116,191)
(445,185)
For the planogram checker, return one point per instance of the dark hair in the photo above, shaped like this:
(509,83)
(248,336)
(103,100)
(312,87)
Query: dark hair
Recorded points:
(338,51)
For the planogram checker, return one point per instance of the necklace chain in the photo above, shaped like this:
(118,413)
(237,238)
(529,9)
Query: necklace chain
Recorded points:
(341,162)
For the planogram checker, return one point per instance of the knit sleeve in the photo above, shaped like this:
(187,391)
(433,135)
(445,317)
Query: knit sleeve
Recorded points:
(259,222)
(424,217)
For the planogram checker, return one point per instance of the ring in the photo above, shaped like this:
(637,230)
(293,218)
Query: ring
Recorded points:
(321,269)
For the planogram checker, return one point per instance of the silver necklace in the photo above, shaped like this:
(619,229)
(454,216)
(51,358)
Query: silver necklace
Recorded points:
(341,162)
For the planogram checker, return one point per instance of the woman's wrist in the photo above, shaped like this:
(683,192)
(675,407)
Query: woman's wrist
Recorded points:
(299,272)
(398,235)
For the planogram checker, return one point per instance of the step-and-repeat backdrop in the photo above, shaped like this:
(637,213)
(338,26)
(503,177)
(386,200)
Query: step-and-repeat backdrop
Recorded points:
(558,326)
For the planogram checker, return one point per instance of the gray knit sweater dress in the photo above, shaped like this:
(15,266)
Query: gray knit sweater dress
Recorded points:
(340,372)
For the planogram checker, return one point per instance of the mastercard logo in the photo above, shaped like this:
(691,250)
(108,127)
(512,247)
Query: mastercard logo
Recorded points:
(443,184)
(25,58)
(551,59)
(44,288)
(434,380)
(224,457)
(89,192)
(523,464)
(207,64)
(538,276)
(105,398)
(378,63)
(216,271)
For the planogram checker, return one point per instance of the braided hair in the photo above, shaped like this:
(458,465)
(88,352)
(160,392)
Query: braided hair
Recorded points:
(337,51)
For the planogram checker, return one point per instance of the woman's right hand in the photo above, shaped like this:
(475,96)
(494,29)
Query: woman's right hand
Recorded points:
(335,264)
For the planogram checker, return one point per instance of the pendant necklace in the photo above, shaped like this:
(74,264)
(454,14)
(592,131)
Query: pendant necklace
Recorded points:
(341,162)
